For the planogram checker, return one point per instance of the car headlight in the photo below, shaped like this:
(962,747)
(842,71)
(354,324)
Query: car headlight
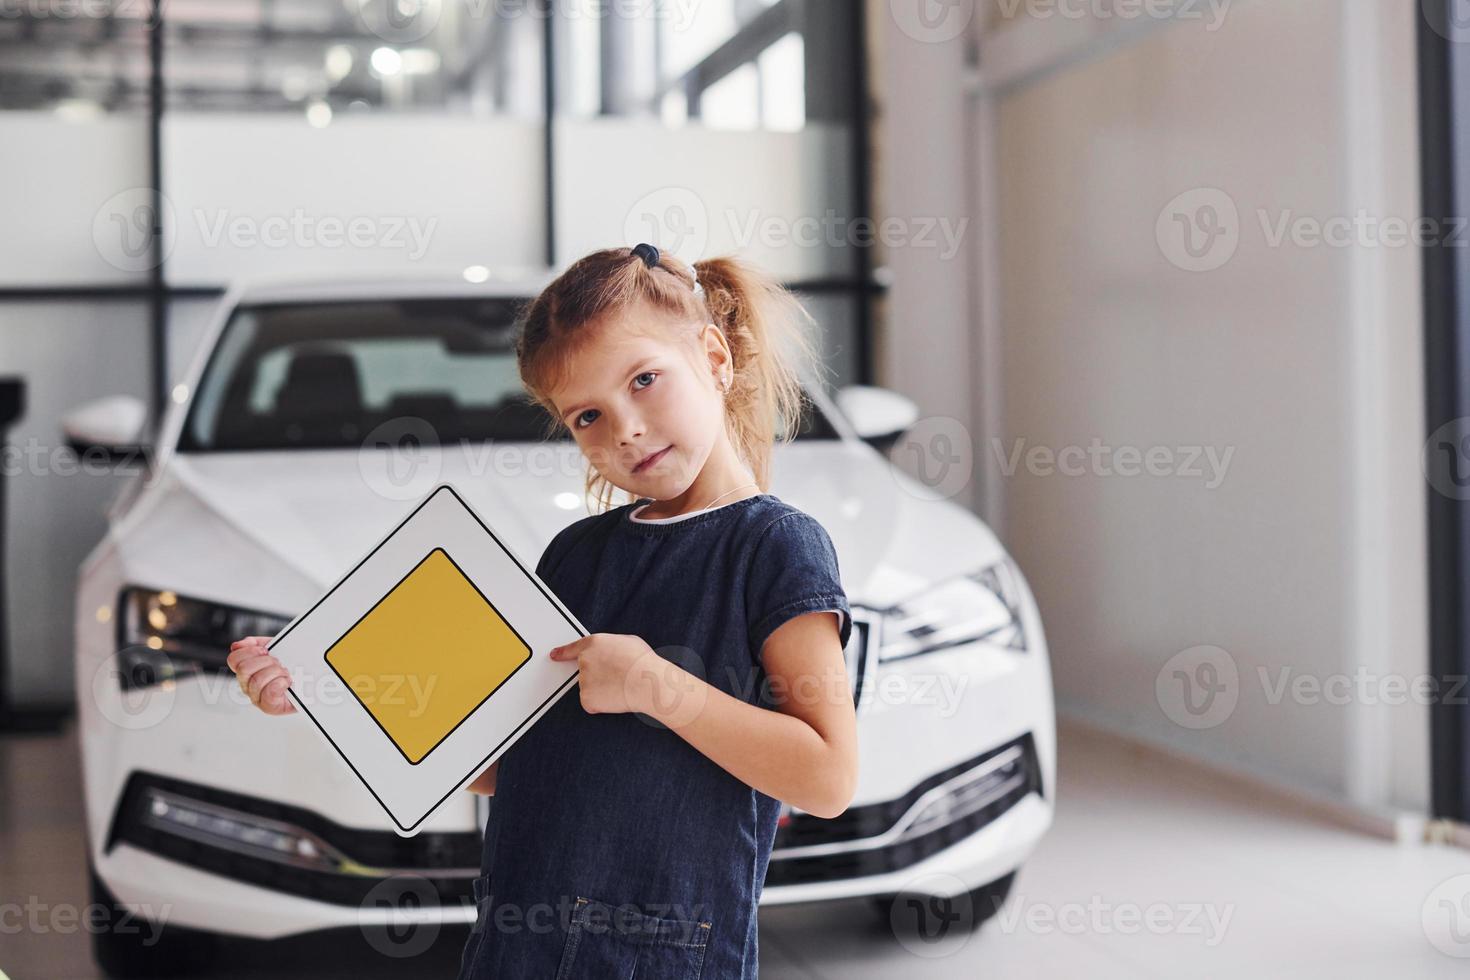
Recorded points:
(163,635)
(983,605)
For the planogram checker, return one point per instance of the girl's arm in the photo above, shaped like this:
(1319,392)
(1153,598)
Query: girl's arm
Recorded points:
(484,783)
(804,753)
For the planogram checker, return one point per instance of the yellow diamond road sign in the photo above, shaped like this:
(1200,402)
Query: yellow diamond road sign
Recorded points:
(429,653)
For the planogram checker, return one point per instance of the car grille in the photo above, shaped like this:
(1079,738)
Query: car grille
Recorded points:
(877,838)
(871,839)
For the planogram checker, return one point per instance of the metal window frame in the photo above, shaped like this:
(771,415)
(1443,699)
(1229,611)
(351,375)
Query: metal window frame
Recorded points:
(1444,116)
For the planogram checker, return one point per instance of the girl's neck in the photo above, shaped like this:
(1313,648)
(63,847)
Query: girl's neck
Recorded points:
(716,485)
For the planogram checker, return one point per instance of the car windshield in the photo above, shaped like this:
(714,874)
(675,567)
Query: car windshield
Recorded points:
(325,375)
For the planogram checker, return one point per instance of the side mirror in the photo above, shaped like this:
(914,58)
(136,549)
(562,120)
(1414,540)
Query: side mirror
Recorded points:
(878,415)
(113,425)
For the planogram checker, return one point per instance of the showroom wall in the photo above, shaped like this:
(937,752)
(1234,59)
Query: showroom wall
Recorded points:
(1278,531)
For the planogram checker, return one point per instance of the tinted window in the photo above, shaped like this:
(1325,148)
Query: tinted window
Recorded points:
(324,375)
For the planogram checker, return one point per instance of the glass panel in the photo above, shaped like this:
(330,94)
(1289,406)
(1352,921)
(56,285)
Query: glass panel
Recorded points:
(725,64)
(327,57)
(78,59)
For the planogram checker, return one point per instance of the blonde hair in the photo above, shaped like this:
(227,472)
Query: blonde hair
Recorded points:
(763,323)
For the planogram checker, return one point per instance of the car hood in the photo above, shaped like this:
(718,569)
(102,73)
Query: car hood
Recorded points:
(274,530)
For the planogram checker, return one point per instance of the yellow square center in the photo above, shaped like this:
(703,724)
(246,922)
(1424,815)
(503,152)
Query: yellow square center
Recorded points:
(427,654)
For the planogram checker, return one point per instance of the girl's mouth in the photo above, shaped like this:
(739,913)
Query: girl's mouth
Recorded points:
(651,459)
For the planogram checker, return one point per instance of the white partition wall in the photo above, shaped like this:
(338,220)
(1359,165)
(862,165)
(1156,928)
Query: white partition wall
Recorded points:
(1276,375)
(781,200)
(70,199)
(268,194)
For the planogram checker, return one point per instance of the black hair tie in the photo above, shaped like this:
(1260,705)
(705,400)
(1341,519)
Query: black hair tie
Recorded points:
(648,253)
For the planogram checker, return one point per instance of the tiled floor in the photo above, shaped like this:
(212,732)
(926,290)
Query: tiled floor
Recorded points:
(1151,870)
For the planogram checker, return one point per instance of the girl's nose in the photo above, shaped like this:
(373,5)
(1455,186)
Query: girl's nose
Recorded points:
(631,431)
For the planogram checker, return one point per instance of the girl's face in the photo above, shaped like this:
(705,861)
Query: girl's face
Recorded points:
(634,390)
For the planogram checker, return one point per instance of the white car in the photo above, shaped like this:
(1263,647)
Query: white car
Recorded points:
(311,421)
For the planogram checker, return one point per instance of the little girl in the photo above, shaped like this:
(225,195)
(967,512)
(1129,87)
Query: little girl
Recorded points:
(632,826)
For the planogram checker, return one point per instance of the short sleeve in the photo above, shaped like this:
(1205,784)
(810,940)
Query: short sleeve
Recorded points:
(544,560)
(560,543)
(793,570)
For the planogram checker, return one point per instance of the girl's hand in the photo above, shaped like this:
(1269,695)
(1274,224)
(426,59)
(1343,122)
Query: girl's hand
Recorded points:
(262,677)
(619,672)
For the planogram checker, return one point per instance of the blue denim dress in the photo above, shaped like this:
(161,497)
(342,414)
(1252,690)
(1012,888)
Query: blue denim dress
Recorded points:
(614,848)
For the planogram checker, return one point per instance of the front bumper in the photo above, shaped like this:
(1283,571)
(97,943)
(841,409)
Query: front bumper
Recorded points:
(972,822)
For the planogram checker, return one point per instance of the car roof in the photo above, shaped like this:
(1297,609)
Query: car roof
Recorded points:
(511,283)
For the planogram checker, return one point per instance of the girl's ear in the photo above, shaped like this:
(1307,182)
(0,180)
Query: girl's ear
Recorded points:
(721,361)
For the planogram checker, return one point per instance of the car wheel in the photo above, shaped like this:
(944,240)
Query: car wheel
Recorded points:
(970,910)
(124,945)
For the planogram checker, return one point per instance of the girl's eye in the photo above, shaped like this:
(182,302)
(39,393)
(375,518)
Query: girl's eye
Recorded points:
(650,375)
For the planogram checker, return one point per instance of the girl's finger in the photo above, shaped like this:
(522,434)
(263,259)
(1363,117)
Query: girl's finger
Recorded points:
(250,666)
(260,679)
(273,696)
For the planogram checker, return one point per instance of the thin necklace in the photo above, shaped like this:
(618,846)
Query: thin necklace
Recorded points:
(727,493)
(720,497)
